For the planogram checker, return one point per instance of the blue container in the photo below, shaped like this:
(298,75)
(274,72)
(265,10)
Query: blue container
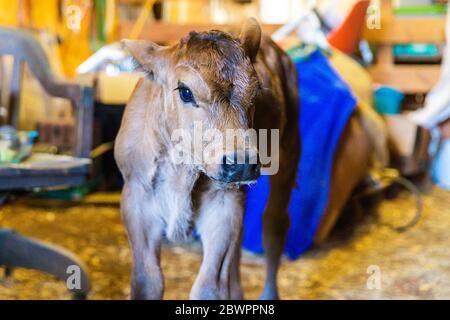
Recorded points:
(388,100)
(441,166)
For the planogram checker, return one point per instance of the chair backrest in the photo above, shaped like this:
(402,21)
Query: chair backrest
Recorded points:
(24,49)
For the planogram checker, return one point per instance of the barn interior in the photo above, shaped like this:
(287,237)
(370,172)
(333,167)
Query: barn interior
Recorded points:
(65,80)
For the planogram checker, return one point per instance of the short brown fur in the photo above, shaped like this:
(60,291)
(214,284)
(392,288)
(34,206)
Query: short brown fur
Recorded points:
(239,83)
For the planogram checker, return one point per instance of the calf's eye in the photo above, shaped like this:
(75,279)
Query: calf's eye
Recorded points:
(186,95)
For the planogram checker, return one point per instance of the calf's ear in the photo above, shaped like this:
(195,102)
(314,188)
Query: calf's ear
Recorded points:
(251,37)
(147,54)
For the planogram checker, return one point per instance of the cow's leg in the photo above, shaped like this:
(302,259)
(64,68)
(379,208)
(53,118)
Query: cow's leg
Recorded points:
(145,232)
(219,225)
(236,288)
(350,167)
(276,218)
(275,228)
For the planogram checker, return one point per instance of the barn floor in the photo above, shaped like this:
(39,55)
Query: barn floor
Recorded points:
(413,265)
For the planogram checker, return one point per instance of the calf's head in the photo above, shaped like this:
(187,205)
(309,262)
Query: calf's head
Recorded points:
(208,87)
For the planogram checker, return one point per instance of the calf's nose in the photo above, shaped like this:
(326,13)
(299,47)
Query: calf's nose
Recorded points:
(240,166)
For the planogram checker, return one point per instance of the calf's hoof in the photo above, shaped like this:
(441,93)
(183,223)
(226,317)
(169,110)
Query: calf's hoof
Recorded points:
(237,294)
(207,294)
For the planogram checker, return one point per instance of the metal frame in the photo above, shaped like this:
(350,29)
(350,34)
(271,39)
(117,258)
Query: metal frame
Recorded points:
(17,250)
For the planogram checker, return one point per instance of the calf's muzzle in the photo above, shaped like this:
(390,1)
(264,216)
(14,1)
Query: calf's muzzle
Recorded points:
(241,166)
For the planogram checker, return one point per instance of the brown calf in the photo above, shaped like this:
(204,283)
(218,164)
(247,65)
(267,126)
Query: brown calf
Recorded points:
(223,83)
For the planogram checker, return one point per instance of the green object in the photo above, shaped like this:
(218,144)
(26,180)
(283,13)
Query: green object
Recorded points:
(15,145)
(303,51)
(300,52)
(75,193)
(416,50)
(99,39)
(434,9)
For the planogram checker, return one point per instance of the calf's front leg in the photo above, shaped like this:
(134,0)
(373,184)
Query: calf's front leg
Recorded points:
(219,224)
(145,232)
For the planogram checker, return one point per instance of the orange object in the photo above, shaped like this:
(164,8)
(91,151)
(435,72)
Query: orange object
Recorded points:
(346,37)
(75,32)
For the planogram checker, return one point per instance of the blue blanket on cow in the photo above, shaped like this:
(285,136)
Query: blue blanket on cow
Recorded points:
(326,104)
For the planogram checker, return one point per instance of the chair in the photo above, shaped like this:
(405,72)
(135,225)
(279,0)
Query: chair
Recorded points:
(43,170)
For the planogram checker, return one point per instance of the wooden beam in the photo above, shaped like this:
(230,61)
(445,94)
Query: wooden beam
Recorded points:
(408,30)
(410,79)
(166,32)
